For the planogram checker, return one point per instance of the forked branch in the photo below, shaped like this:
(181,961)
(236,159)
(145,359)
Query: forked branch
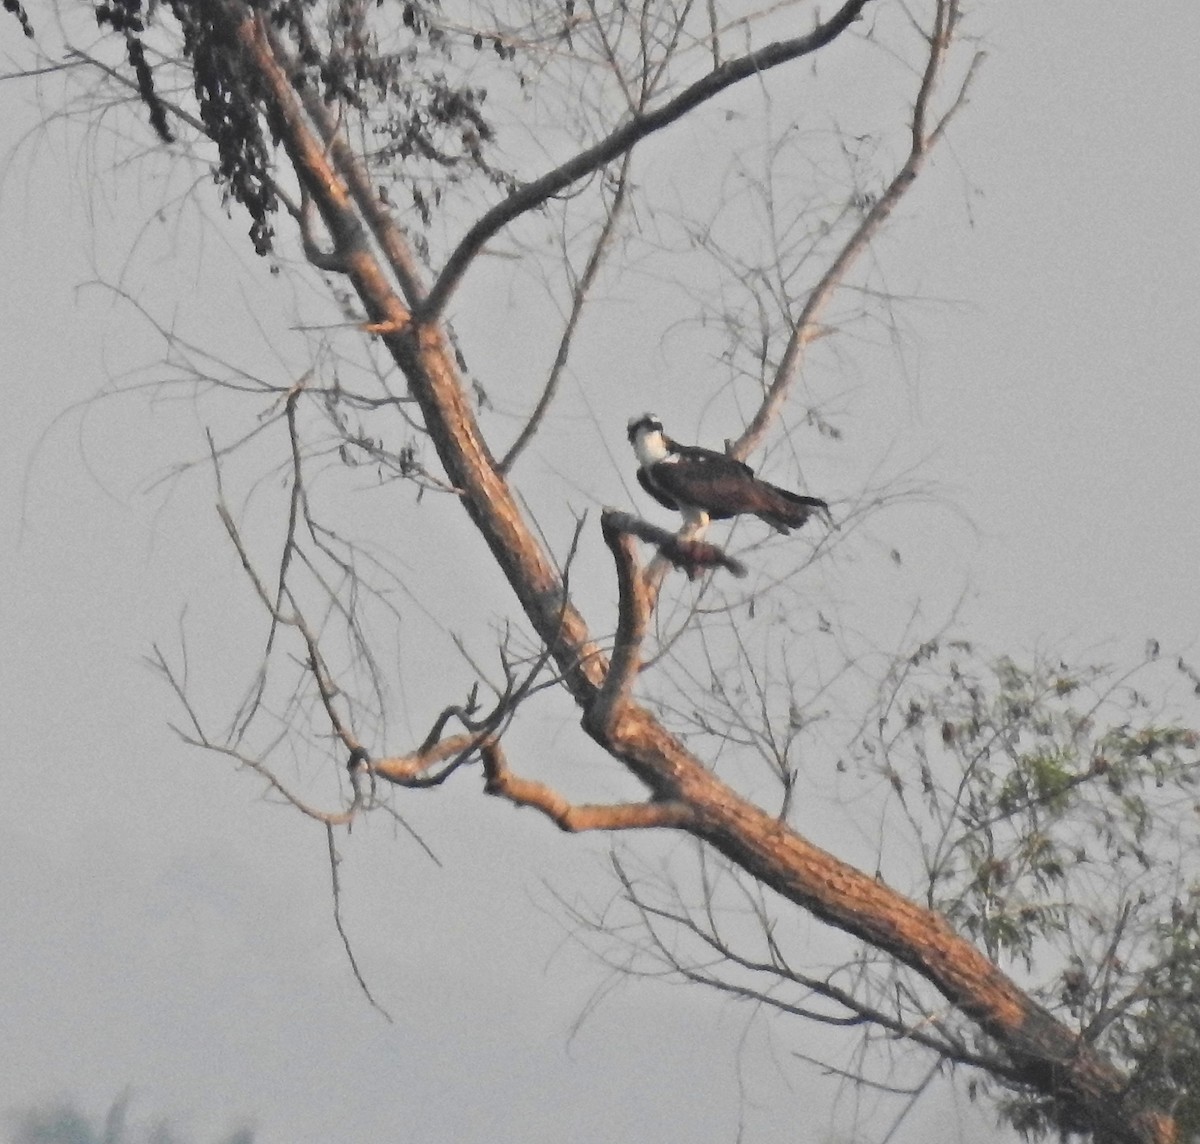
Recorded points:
(637,594)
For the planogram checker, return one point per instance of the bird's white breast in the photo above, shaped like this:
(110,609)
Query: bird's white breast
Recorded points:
(650,447)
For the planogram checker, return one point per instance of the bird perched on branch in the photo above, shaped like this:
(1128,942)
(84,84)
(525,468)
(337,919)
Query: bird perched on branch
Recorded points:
(706,485)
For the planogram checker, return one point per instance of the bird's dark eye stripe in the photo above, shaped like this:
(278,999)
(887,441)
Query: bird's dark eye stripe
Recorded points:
(648,421)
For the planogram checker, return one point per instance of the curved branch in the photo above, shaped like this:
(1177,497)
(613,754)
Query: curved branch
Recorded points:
(808,328)
(341,929)
(624,139)
(579,297)
(574,818)
(411,769)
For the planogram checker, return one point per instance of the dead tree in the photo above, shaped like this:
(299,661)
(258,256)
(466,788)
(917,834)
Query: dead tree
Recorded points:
(290,99)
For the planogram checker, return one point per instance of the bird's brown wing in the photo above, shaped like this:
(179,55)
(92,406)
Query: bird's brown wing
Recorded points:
(724,487)
(717,484)
(652,488)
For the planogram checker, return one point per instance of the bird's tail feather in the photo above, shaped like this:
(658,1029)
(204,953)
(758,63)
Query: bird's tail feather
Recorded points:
(790,510)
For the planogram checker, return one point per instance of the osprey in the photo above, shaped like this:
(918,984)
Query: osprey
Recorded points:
(705,485)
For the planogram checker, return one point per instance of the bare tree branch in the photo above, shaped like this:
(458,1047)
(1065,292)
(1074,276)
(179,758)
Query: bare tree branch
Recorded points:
(807,327)
(679,548)
(578,297)
(533,194)
(341,929)
(571,817)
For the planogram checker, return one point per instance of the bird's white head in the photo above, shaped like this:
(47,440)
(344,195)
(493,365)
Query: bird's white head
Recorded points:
(648,440)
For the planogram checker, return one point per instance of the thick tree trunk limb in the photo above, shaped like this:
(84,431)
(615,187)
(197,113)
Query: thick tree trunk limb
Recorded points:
(1045,1054)
(427,362)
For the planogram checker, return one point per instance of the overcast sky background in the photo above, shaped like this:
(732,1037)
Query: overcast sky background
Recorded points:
(166,928)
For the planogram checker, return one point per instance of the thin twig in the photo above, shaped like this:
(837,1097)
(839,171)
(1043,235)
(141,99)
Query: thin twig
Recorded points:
(337,921)
(578,298)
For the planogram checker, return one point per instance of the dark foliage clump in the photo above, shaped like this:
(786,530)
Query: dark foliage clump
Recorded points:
(18,10)
(432,127)
(125,18)
(231,108)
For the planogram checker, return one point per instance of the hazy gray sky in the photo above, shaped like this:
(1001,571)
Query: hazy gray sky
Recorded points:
(167,928)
